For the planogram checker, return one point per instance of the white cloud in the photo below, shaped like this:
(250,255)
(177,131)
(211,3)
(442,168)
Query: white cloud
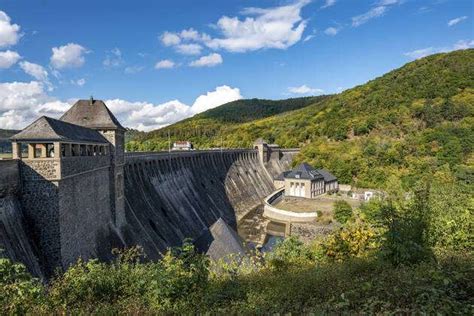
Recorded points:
(423,52)
(189,49)
(23,102)
(221,95)
(148,116)
(113,59)
(210,60)
(456,20)
(378,10)
(8,58)
(277,27)
(170,39)
(331,31)
(190,34)
(304,89)
(257,28)
(164,64)
(328,3)
(36,71)
(364,18)
(68,56)
(9,33)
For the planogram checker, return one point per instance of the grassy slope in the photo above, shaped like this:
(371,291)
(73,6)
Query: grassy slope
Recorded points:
(412,119)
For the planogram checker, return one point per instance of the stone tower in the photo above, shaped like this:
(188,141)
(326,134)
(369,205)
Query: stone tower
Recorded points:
(66,195)
(94,114)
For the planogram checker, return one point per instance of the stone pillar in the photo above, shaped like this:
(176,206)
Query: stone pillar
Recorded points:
(31,151)
(57,150)
(43,150)
(16,150)
(67,150)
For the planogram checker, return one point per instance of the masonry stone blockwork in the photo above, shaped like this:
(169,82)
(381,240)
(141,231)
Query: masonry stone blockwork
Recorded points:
(70,180)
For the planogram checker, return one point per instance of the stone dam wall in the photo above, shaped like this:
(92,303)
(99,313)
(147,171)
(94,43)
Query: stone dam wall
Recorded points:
(14,241)
(173,196)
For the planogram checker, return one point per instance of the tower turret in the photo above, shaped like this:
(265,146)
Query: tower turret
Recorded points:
(94,114)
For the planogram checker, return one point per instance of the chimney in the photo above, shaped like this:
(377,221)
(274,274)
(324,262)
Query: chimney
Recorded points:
(91,100)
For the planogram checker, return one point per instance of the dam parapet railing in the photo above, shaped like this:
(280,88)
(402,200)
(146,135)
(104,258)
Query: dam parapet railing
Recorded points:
(275,214)
(183,153)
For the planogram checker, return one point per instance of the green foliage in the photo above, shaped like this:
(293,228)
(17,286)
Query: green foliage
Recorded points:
(19,291)
(126,282)
(342,211)
(354,240)
(288,253)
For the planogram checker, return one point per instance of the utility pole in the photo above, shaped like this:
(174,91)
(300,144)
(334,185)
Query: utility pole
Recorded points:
(169,142)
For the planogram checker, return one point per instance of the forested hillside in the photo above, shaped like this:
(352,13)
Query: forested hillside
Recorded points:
(411,120)
(5,134)
(203,127)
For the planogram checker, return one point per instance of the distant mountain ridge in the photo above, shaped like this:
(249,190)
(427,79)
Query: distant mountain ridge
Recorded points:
(5,144)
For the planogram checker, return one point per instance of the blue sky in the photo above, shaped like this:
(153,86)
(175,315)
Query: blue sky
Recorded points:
(156,62)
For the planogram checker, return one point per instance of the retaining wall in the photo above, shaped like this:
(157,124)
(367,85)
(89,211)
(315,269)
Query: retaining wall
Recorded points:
(275,214)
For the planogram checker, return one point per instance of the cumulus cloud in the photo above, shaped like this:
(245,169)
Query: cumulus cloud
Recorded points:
(190,34)
(113,59)
(378,10)
(189,49)
(221,95)
(164,64)
(9,33)
(170,39)
(148,116)
(277,27)
(68,56)
(304,89)
(328,3)
(423,52)
(8,58)
(210,60)
(23,102)
(331,31)
(456,20)
(257,28)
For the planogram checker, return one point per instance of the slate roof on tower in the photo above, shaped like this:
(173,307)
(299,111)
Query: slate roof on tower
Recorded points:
(49,129)
(92,114)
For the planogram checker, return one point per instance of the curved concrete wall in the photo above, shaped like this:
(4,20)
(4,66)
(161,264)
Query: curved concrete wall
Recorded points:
(279,215)
(170,197)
